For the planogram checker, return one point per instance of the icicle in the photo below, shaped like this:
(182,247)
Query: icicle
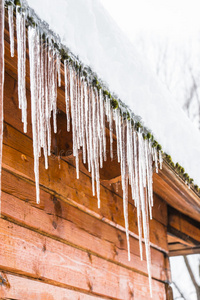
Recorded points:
(32,39)
(137,198)
(48,96)
(160,159)
(1,85)
(148,163)
(21,51)
(156,158)
(58,68)
(67,96)
(135,145)
(124,175)
(100,129)
(11,29)
(43,103)
(96,143)
(144,208)
(130,158)
(74,114)
(92,121)
(103,130)
(54,91)
(86,116)
(111,131)
(117,128)
(83,124)
(79,125)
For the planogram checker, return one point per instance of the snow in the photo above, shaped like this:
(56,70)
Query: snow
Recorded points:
(86,28)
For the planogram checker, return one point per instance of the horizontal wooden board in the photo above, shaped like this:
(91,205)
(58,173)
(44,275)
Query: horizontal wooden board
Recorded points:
(22,288)
(60,220)
(34,255)
(177,251)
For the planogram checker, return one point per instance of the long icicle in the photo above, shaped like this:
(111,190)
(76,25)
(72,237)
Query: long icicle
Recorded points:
(21,61)
(32,37)
(11,30)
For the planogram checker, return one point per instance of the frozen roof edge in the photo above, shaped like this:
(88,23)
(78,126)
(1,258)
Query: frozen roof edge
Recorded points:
(93,76)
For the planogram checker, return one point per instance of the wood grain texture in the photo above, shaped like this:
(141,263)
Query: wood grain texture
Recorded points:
(183,234)
(184,225)
(21,288)
(67,223)
(176,193)
(31,254)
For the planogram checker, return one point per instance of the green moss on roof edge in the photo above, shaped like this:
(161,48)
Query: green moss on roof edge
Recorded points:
(65,54)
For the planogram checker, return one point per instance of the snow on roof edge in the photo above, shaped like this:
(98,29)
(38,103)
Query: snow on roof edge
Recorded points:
(113,57)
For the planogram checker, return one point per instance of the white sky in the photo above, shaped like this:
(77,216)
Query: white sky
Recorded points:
(175,18)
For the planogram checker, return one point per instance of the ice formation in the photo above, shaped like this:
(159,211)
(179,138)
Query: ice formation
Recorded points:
(89,112)
(21,51)
(11,30)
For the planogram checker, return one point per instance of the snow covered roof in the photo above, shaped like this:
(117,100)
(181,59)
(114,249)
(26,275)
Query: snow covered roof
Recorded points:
(86,28)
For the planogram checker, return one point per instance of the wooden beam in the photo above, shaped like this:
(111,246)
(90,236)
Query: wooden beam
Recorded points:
(176,193)
(183,233)
(186,251)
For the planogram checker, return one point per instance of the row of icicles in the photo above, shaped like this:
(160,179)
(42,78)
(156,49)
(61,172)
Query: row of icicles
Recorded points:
(87,109)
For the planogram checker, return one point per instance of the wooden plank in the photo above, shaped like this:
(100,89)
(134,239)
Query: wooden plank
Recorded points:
(64,183)
(183,227)
(159,210)
(31,254)
(23,288)
(186,251)
(174,191)
(174,239)
(177,246)
(62,221)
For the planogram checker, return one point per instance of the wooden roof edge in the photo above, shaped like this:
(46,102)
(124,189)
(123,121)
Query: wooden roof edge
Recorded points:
(171,188)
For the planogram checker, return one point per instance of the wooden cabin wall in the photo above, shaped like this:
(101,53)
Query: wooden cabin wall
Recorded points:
(65,248)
